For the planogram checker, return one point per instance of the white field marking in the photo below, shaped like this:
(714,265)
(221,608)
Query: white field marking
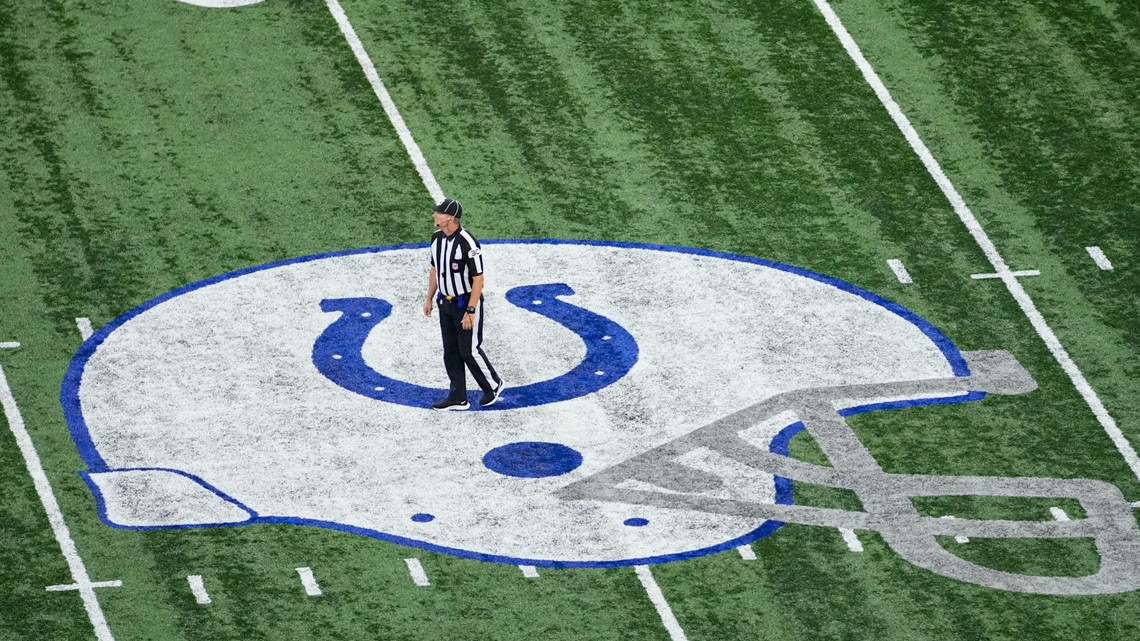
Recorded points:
(84,325)
(1135,504)
(659,602)
(310,583)
(11,345)
(75,586)
(418,574)
(1026,272)
(386,100)
(746,552)
(55,516)
(529,571)
(959,538)
(199,589)
(1099,258)
(967,217)
(1058,514)
(852,541)
(221,4)
(900,271)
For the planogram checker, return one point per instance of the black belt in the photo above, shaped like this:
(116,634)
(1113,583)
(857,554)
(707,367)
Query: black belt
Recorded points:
(459,300)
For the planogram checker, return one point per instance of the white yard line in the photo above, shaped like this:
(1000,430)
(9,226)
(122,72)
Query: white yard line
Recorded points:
(1058,514)
(418,575)
(967,217)
(1099,258)
(659,602)
(309,581)
(199,589)
(55,517)
(852,541)
(529,571)
(1026,272)
(84,325)
(11,345)
(386,100)
(900,271)
(746,552)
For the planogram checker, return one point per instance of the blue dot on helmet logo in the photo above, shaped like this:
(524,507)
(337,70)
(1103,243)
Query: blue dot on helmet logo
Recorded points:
(637,522)
(532,459)
(423,517)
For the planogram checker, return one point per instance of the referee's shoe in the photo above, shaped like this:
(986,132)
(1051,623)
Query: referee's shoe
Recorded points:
(490,397)
(451,404)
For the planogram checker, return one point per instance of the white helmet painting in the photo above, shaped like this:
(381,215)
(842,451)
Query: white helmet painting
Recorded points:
(651,393)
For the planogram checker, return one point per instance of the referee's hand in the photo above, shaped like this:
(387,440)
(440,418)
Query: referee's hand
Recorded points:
(427,307)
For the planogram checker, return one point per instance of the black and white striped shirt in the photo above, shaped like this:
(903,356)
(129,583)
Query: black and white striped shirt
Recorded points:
(457,259)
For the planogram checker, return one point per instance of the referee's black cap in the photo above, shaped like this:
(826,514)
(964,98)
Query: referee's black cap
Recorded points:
(449,207)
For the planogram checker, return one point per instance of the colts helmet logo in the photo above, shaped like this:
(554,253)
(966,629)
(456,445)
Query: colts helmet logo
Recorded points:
(644,420)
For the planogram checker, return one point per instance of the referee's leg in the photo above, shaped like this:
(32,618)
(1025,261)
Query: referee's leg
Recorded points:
(470,346)
(450,329)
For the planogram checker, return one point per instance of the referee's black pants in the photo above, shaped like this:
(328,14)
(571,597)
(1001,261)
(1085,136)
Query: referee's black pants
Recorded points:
(463,347)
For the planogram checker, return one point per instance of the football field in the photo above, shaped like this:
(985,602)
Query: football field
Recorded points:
(823,316)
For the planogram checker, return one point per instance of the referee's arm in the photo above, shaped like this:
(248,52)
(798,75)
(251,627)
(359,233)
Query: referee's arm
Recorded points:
(432,287)
(476,291)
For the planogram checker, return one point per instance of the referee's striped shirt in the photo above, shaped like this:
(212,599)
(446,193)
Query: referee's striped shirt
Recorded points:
(457,259)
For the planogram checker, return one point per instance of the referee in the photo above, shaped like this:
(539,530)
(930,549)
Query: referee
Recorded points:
(455,283)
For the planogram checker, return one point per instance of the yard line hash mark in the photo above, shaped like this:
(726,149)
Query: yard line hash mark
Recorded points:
(59,527)
(75,586)
(1099,258)
(529,571)
(310,582)
(386,100)
(746,552)
(199,589)
(11,345)
(84,325)
(418,575)
(1027,272)
(852,541)
(900,271)
(659,602)
(983,240)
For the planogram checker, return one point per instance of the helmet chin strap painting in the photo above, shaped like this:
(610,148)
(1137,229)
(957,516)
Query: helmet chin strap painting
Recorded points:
(654,390)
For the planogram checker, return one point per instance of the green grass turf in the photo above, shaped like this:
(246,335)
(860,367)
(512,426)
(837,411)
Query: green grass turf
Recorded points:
(149,144)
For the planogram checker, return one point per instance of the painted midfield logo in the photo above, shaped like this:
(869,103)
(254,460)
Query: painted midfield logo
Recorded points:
(645,423)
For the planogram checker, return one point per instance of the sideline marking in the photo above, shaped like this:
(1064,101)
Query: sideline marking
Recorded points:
(852,541)
(310,583)
(11,345)
(75,564)
(386,100)
(1027,272)
(746,552)
(987,246)
(659,602)
(418,574)
(199,589)
(900,271)
(75,586)
(1058,514)
(1099,258)
(84,325)
(529,571)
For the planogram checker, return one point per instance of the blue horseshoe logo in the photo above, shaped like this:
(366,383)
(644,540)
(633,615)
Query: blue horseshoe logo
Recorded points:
(611,352)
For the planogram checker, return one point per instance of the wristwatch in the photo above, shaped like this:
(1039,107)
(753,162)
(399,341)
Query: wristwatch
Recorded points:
(470,310)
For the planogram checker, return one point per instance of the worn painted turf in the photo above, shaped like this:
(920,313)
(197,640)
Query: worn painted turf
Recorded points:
(147,144)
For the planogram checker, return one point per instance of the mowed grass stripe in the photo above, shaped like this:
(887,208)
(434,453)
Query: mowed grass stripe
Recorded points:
(1018,151)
